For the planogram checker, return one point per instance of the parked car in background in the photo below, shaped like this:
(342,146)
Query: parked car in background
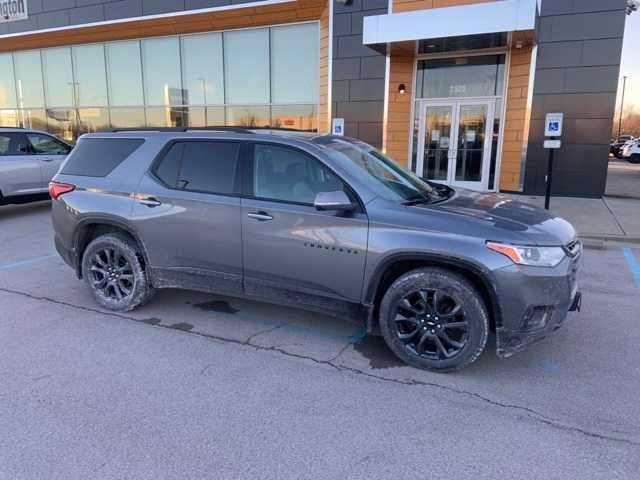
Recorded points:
(616,145)
(28,161)
(631,151)
(316,221)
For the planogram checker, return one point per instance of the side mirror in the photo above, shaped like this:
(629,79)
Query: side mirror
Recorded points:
(337,201)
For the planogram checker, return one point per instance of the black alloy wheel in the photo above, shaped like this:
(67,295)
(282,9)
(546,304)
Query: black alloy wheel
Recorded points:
(112,274)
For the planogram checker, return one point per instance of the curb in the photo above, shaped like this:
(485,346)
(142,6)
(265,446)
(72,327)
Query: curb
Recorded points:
(594,240)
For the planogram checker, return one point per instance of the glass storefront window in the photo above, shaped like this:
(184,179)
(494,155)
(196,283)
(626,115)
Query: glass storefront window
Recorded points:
(299,117)
(90,75)
(35,118)
(124,74)
(161,67)
(476,76)
(293,81)
(127,117)
(271,77)
(59,88)
(204,117)
(7,82)
(28,71)
(203,81)
(166,117)
(9,118)
(466,42)
(246,66)
(92,120)
(248,116)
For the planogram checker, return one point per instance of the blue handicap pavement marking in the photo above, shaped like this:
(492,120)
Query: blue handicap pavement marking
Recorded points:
(634,264)
(22,263)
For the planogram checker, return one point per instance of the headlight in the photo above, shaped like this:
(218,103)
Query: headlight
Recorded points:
(532,256)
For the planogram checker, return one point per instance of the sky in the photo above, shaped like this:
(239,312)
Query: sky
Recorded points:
(631,63)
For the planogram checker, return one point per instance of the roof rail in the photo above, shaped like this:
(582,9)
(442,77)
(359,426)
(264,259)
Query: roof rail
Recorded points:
(221,128)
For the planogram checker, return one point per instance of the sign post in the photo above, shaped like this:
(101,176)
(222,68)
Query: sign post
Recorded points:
(553,129)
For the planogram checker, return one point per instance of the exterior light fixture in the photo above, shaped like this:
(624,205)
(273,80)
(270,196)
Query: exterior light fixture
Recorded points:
(345,2)
(402,89)
(519,44)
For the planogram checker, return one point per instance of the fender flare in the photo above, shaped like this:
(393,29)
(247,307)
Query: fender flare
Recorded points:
(477,271)
(110,220)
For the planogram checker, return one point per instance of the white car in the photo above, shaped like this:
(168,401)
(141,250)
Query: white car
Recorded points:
(631,151)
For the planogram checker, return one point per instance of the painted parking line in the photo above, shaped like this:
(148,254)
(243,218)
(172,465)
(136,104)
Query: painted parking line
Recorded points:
(634,265)
(23,263)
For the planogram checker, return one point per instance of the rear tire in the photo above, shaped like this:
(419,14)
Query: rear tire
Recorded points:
(434,319)
(635,158)
(112,267)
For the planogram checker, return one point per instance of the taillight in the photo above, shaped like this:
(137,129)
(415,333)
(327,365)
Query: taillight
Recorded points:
(56,189)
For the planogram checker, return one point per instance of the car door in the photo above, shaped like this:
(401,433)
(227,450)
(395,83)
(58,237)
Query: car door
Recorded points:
(19,170)
(291,251)
(187,213)
(50,153)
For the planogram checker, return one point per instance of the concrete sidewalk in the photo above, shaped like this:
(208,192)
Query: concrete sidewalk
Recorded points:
(604,219)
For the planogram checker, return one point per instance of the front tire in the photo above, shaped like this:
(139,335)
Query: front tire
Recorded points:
(112,268)
(434,319)
(635,158)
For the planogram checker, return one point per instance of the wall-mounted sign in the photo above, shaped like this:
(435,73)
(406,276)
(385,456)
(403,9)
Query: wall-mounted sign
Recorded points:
(337,126)
(12,10)
(553,125)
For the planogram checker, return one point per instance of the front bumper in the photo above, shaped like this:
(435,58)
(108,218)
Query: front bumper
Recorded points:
(535,302)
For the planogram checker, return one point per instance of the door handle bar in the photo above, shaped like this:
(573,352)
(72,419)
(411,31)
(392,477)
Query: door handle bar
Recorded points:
(260,216)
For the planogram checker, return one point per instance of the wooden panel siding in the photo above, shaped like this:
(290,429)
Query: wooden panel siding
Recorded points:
(409,5)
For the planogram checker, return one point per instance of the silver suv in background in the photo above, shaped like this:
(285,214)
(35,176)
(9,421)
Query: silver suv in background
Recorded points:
(315,221)
(28,161)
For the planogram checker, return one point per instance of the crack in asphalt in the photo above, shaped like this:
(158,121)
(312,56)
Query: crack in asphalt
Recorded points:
(529,412)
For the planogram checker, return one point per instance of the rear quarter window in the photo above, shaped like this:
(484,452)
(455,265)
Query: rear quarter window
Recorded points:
(98,157)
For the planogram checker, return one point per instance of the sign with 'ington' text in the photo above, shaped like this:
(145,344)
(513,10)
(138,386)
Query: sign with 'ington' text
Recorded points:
(12,10)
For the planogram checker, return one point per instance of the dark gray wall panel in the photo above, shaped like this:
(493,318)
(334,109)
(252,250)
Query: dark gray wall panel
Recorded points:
(577,69)
(358,72)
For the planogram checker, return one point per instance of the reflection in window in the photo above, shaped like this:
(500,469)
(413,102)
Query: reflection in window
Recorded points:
(248,116)
(29,79)
(62,123)
(124,74)
(203,81)
(161,66)
(131,117)
(166,117)
(7,82)
(35,118)
(58,77)
(246,65)
(92,120)
(90,75)
(466,42)
(299,117)
(292,80)
(205,117)
(9,118)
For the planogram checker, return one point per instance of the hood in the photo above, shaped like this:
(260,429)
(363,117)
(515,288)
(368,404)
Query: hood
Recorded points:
(533,225)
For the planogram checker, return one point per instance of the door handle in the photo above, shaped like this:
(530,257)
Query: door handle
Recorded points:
(260,216)
(150,202)
(47,159)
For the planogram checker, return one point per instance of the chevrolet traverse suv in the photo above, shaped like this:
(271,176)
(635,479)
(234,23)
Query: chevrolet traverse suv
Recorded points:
(316,221)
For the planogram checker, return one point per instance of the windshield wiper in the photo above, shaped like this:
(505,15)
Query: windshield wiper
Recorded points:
(417,201)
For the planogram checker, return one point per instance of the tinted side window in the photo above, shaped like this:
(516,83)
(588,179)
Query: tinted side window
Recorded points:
(13,144)
(98,157)
(285,174)
(169,167)
(46,145)
(208,167)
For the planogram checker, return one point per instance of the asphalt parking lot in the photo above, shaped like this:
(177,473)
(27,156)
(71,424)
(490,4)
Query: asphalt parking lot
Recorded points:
(202,386)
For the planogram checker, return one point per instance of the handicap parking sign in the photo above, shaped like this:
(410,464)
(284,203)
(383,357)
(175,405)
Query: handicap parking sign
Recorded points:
(553,125)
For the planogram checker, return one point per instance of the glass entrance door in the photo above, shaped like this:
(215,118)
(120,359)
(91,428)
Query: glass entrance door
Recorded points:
(455,141)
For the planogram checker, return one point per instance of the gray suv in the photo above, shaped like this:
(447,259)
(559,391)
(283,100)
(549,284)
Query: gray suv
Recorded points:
(316,221)
(28,161)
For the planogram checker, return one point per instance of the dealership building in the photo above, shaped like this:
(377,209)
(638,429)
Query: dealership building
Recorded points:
(455,90)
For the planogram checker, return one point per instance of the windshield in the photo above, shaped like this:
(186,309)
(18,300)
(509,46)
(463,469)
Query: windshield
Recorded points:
(383,175)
